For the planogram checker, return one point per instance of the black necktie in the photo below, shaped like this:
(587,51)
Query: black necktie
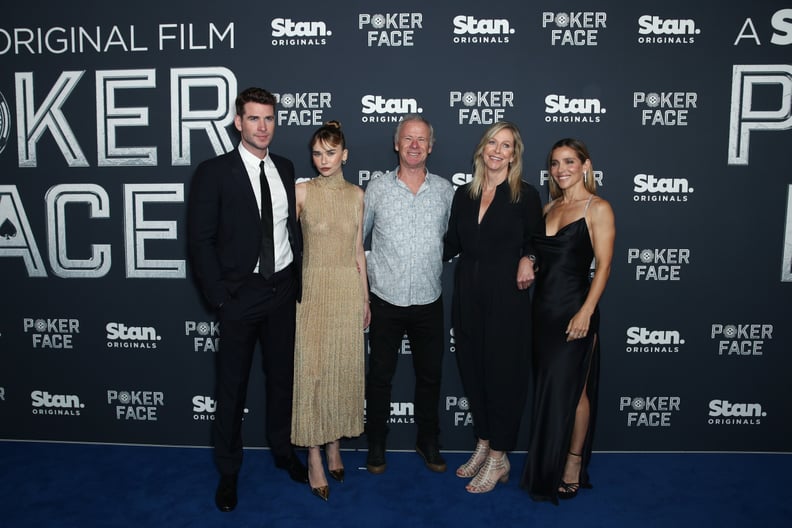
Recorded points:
(267,255)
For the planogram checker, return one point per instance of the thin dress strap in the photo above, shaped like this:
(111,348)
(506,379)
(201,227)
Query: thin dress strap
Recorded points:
(587,205)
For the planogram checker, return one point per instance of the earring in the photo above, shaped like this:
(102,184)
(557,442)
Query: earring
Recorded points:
(585,176)
(343,162)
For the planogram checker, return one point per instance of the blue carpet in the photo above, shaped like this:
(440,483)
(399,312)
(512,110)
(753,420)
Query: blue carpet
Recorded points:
(78,485)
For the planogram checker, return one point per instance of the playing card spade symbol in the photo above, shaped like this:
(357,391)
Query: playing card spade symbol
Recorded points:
(8,230)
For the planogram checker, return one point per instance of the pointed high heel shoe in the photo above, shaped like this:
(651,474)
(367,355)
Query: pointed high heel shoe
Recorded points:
(474,463)
(336,474)
(323,492)
(493,471)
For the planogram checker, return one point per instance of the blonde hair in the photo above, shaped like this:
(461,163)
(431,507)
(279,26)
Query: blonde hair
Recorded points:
(515,167)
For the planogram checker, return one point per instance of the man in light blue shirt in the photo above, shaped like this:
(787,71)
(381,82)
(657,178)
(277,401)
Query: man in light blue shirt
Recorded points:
(406,214)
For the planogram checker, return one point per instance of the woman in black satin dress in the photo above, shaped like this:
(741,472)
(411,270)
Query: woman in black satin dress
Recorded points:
(493,219)
(579,226)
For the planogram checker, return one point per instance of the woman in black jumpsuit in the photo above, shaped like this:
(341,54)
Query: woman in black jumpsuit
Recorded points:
(492,221)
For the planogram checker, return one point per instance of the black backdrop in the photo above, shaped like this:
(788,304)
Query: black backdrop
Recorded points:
(105,112)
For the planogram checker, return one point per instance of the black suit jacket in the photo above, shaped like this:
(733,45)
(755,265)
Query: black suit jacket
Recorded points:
(224,225)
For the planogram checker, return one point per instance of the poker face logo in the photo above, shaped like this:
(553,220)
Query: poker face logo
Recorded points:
(404,348)
(653,29)
(135,405)
(750,104)
(48,404)
(659,264)
(287,32)
(741,340)
(460,407)
(204,335)
(481,108)
(724,412)
(365,176)
(47,333)
(665,108)
(649,411)
(390,29)
(471,30)
(578,28)
(544,177)
(303,108)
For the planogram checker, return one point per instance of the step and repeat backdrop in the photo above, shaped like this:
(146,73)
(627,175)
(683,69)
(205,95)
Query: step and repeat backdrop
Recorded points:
(106,111)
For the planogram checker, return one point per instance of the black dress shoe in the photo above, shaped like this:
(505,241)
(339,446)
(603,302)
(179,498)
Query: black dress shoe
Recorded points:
(430,452)
(226,494)
(375,460)
(294,466)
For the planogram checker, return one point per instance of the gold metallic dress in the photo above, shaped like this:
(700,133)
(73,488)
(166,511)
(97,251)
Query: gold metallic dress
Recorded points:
(329,356)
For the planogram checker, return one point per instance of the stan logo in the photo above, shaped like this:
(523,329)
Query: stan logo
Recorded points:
(481,108)
(664,108)
(136,405)
(402,413)
(5,122)
(749,113)
(390,29)
(55,404)
(471,30)
(378,109)
(286,32)
(649,188)
(563,109)
(204,408)
(741,339)
(655,30)
(204,335)
(724,412)
(51,333)
(649,411)
(459,179)
(781,22)
(460,406)
(575,29)
(303,108)
(643,340)
(120,335)
(658,264)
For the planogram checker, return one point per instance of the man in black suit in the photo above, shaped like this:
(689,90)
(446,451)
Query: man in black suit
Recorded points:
(245,250)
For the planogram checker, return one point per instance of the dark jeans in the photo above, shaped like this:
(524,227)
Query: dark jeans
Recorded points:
(424,326)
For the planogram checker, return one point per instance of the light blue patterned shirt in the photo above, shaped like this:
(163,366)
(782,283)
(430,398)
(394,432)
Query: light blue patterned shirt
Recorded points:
(405,263)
